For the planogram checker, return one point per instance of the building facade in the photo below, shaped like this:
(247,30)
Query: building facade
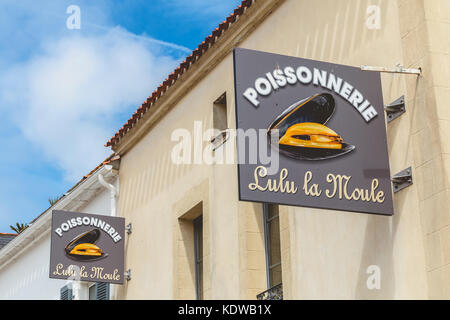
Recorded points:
(192,237)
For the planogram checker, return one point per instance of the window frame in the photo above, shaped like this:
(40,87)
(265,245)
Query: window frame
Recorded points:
(267,243)
(66,290)
(220,111)
(95,288)
(220,106)
(198,260)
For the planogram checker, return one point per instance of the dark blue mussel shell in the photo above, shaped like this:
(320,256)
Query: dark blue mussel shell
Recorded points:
(317,108)
(90,236)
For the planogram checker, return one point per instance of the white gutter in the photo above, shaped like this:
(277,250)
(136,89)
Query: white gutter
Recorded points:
(114,191)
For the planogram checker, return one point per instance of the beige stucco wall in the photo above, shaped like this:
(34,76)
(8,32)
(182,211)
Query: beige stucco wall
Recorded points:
(325,253)
(151,186)
(425,32)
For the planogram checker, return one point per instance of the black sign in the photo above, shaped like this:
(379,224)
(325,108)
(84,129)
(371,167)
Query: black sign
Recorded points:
(323,127)
(87,247)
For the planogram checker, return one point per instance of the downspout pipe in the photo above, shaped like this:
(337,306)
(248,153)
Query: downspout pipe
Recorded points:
(113,191)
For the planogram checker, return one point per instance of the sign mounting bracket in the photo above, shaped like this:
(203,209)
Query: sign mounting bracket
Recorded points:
(395,109)
(402,179)
(129,228)
(127,274)
(398,69)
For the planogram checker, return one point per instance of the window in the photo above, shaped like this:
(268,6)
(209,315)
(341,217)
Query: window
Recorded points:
(272,244)
(220,121)
(220,113)
(190,259)
(99,291)
(92,289)
(198,256)
(65,293)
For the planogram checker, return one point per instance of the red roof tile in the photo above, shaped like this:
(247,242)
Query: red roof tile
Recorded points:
(192,58)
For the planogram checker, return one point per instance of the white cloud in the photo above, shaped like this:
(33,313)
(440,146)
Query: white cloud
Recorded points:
(65,100)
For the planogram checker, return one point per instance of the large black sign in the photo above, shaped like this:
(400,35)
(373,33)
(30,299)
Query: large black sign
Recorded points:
(325,121)
(87,247)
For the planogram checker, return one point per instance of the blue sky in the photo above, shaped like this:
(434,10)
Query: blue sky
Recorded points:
(63,93)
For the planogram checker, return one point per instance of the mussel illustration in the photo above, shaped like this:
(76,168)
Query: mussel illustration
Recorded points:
(82,247)
(302,130)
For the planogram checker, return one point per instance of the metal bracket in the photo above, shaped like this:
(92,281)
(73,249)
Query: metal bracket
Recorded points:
(402,179)
(127,274)
(398,69)
(395,109)
(220,139)
(128,228)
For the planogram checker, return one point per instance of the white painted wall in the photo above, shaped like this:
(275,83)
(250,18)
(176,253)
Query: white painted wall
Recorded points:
(26,278)
(100,204)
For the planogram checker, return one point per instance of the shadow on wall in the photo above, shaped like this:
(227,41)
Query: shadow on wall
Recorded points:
(383,230)
(337,39)
(374,266)
(380,230)
(341,29)
(379,236)
(339,33)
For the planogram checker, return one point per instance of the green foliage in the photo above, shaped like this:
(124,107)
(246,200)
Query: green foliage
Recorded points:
(19,227)
(52,201)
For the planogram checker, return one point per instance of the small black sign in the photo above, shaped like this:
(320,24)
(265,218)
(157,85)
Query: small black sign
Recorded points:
(87,247)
